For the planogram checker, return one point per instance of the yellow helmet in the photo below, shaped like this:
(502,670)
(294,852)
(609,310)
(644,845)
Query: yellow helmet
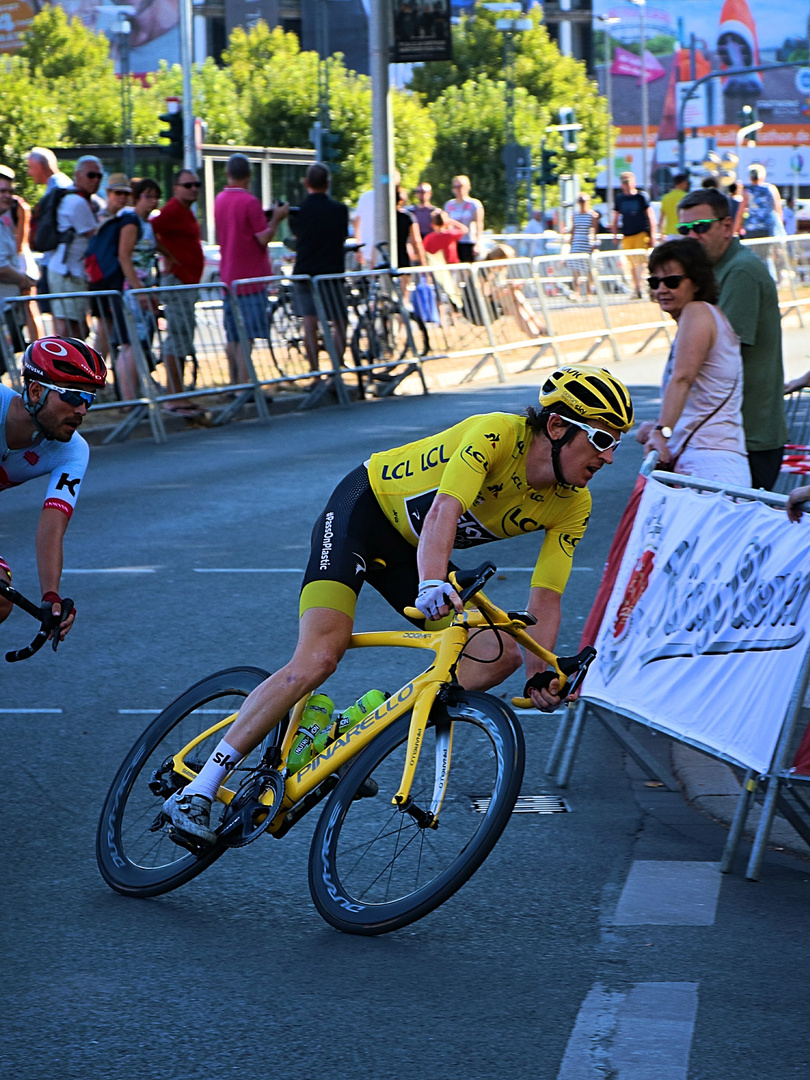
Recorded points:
(588,393)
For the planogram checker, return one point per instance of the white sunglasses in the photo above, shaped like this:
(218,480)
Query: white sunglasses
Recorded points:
(599,440)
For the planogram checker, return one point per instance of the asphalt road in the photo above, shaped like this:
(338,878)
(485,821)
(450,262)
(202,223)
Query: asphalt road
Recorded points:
(573,954)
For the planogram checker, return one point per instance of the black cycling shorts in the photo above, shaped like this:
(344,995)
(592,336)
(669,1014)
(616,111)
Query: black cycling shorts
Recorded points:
(354,542)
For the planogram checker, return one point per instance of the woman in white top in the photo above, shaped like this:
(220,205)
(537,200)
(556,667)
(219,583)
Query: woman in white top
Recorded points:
(469,212)
(699,428)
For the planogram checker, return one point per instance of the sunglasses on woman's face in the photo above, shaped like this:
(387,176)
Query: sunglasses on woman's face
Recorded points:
(671,281)
(697,227)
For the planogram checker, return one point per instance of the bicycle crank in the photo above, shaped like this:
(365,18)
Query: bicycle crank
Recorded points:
(247,817)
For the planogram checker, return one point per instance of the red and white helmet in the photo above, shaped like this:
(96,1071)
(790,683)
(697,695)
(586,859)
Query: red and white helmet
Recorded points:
(64,361)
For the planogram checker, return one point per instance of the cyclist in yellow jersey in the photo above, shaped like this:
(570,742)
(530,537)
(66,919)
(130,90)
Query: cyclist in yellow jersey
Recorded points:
(394,522)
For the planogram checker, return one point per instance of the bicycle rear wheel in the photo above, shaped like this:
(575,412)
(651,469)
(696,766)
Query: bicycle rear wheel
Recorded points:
(374,868)
(135,855)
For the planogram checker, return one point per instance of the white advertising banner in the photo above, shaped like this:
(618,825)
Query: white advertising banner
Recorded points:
(708,622)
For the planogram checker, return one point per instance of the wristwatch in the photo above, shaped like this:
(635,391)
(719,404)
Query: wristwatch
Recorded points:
(665,430)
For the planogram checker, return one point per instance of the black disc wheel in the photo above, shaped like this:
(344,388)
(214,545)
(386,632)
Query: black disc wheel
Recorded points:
(374,867)
(135,853)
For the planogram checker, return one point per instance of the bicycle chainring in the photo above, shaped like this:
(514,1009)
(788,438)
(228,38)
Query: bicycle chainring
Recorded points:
(247,817)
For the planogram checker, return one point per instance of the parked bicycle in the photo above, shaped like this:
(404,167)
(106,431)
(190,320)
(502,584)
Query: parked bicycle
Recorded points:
(399,833)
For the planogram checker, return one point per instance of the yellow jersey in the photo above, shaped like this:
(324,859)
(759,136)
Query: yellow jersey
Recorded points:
(482,463)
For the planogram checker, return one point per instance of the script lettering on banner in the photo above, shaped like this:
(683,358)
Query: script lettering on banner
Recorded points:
(708,623)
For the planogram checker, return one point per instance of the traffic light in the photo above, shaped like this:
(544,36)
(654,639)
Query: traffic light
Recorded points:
(548,167)
(330,142)
(568,119)
(174,133)
(749,122)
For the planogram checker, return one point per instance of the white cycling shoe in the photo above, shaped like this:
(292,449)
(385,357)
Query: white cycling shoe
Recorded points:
(190,815)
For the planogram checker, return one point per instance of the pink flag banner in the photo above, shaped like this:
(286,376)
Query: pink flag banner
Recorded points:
(627,63)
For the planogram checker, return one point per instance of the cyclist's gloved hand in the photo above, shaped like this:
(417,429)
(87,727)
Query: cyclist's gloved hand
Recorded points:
(546,687)
(436,598)
(50,600)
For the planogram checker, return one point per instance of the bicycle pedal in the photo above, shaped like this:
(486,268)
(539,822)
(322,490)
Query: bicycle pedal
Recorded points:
(189,843)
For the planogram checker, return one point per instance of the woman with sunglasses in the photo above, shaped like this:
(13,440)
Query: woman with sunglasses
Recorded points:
(394,522)
(699,428)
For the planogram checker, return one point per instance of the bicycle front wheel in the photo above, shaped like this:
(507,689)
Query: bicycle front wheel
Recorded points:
(375,868)
(134,852)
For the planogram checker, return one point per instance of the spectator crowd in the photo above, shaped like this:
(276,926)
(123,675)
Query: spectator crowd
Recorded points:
(101,258)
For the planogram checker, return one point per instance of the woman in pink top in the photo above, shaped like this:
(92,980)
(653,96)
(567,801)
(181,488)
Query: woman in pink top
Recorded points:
(468,212)
(699,430)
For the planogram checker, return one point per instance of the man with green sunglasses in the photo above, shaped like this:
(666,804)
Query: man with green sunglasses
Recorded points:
(749,300)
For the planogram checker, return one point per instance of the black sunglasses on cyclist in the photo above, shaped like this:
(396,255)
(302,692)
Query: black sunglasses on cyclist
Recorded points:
(94,175)
(190,184)
(599,440)
(672,281)
(71,397)
(697,227)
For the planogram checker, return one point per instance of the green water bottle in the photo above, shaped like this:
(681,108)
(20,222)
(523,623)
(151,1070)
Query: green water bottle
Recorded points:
(371,700)
(316,717)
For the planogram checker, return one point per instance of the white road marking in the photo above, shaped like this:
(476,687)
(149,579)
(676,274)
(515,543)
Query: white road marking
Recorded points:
(645,1034)
(153,712)
(669,894)
(112,570)
(28,712)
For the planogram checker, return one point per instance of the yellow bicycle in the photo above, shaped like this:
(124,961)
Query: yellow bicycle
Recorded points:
(418,792)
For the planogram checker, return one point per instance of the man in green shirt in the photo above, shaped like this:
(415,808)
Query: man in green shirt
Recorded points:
(749,300)
(668,224)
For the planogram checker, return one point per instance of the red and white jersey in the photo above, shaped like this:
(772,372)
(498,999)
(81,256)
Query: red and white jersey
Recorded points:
(66,462)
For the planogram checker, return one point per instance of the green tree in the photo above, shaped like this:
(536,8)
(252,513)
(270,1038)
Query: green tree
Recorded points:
(73,64)
(216,101)
(29,116)
(277,85)
(470,137)
(542,77)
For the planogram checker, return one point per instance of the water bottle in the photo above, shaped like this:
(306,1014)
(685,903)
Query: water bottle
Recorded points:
(371,700)
(316,717)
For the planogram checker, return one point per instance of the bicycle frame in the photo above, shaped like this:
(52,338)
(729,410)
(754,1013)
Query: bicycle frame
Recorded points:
(418,695)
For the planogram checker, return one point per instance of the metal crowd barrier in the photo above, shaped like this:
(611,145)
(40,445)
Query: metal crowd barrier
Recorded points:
(116,329)
(373,329)
(369,330)
(795,469)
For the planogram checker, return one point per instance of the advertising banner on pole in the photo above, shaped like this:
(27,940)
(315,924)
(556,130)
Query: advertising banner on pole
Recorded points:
(708,622)
(421,31)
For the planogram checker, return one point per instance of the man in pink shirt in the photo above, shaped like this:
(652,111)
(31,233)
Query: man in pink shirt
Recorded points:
(243,234)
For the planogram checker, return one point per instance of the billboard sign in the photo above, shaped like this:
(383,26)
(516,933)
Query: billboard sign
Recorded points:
(421,31)
(690,39)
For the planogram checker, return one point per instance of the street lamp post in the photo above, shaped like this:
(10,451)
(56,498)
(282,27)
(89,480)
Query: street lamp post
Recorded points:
(119,33)
(642,6)
(607,21)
